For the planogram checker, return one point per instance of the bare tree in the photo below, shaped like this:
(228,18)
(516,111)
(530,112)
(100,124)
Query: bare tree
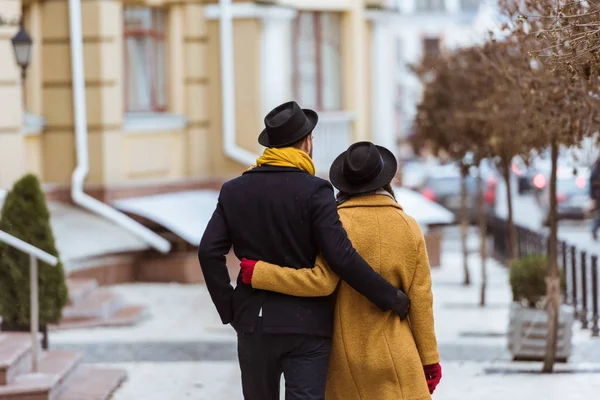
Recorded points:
(560,107)
(482,237)
(568,30)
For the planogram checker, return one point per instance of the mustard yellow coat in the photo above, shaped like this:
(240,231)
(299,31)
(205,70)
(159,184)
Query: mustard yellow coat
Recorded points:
(374,355)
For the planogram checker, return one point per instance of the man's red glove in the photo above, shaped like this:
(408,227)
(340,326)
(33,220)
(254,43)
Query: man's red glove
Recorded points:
(433,374)
(247,270)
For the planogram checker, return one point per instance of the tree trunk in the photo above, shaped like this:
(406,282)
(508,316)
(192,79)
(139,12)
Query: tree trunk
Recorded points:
(482,238)
(464,224)
(45,338)
(511,232)
(553,279)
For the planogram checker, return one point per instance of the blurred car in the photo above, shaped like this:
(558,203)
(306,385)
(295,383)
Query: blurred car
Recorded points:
(414,174)
(532,177)
(572,194)
(524,174)
(444,188)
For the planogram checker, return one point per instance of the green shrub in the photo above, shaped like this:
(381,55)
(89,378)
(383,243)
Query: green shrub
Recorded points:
(26,216)
(528,279)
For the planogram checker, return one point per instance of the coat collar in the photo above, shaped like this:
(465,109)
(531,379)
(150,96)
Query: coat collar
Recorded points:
(270,168)
(371,200)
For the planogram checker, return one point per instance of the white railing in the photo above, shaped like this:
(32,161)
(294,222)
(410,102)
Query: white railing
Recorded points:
(332,136)
(35,254)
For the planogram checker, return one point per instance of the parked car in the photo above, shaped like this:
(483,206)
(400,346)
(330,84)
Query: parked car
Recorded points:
(572,194)
(444,188)
(532,177)
(524,174)
(414,174)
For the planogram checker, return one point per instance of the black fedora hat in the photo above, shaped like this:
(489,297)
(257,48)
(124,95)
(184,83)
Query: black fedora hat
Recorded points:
(363,168)
(286,124)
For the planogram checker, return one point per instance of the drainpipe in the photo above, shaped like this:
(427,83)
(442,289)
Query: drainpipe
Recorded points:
(230,146)
(80,173)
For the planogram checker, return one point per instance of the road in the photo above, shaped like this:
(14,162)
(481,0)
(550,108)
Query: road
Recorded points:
(527,213)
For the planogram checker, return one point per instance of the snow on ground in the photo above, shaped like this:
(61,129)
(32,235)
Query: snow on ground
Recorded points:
(461,381)
(184,313)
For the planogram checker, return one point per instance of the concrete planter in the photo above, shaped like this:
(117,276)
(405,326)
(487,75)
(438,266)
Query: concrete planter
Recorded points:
(527,332)
(433,243)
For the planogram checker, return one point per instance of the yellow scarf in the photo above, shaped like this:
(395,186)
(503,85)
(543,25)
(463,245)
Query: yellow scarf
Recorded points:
(286,157)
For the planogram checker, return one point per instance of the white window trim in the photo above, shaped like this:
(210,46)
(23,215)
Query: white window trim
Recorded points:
(141,122)
(250,10)
(33,124)
(382,73)
(275,77)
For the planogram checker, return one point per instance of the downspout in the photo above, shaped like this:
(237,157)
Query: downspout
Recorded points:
(230,146)
(80,173)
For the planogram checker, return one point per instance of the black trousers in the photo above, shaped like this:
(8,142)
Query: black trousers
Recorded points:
(302,359)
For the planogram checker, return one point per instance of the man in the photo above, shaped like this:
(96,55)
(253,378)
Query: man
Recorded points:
(595,197)
(280,212)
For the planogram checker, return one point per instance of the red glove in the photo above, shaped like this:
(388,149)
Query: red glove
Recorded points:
(433,374)
(247,270)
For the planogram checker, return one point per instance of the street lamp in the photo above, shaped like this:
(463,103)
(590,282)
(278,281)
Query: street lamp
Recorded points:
(22,43)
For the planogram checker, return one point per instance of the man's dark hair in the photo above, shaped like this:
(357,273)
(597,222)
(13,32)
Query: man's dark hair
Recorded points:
(299,143)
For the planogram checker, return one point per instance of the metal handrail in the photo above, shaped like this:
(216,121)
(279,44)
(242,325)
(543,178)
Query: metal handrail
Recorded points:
(35,254)
(27,248)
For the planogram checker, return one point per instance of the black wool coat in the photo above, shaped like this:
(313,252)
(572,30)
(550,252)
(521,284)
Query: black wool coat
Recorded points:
(284,216)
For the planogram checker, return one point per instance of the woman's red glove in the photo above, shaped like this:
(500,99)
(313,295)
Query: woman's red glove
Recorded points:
(247,270)
(433,374)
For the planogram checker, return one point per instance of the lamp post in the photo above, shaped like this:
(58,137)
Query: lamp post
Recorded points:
(22,43)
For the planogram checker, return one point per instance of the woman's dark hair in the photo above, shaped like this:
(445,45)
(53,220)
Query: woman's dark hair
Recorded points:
(388,188)
(344,196)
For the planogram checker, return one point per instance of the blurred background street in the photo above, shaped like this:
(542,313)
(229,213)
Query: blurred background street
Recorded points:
(121,120)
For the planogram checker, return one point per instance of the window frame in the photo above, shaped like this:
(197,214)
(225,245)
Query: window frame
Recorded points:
(319,40)
(155,35)
(424,43)
(423,6)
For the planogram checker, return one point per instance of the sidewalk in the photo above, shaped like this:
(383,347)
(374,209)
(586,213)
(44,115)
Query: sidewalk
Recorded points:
(182,351)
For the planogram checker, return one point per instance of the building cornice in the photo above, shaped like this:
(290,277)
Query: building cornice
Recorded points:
(381,15)
(250,10)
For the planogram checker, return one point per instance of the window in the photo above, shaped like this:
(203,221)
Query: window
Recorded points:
(145,59)
(317,60)
(431,47)
(431,5)
(399,110)
(470,6)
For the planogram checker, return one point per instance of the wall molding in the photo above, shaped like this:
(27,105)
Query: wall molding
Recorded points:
(144,122)
(382,16)
(250,10)
(88,84)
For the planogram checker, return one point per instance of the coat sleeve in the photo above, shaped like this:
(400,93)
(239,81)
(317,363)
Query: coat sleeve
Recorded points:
(421,305)
(306,282)
(212,252)
(338,252)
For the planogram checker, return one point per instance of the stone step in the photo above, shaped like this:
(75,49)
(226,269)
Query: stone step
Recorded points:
(126,316)
(55,373)
(100,304)
(93,383)
(79,289)
(15,356)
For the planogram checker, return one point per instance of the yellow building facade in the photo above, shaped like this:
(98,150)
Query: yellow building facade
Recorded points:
(153,88)
(131,109)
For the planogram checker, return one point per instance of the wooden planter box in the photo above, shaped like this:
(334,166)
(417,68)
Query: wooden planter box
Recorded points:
(528,328)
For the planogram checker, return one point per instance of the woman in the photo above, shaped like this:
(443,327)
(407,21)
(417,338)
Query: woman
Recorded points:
(375,355)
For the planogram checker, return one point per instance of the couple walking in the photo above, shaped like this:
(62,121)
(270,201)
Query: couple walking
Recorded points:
(338,323)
